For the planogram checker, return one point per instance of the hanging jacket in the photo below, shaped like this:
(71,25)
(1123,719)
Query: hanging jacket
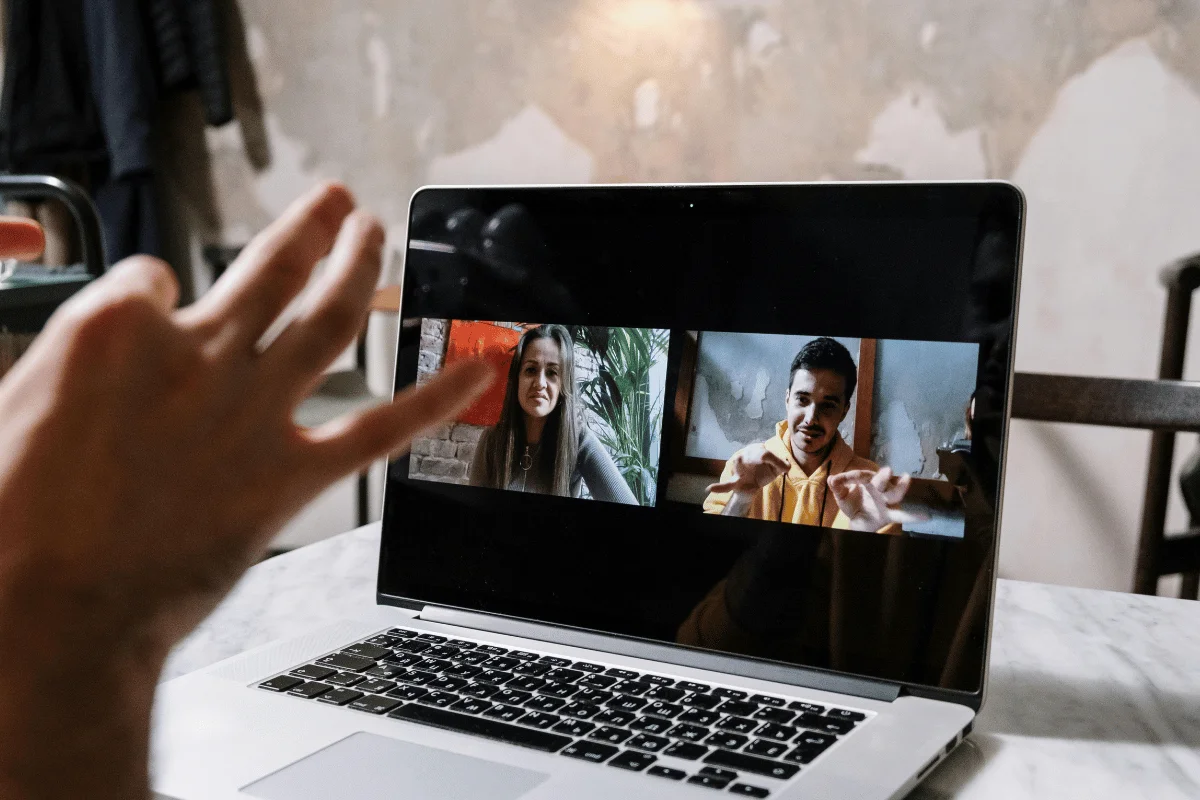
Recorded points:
(189,39)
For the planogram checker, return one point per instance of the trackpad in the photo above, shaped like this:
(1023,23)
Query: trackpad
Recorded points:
(369,767)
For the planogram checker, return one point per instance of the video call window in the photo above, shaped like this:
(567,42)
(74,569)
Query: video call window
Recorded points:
(843,433)
(575,411)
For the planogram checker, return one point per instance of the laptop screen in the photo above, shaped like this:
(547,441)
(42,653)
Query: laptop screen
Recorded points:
(765,421)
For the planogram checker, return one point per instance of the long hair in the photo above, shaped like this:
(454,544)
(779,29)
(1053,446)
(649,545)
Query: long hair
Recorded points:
(503,444)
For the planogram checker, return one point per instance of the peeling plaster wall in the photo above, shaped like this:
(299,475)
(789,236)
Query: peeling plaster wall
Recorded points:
(1091,106)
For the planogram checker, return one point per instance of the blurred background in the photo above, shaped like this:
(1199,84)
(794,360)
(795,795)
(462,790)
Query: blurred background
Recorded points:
(1091,106)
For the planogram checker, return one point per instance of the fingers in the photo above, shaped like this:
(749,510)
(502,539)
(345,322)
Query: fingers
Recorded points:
(272,270)
(347,445)
(895,494)
(776,463)
(720,488)
(338,311)
(141,279)
(21,238)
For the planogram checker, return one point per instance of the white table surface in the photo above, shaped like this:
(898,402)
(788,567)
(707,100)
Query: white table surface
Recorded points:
(1093,694)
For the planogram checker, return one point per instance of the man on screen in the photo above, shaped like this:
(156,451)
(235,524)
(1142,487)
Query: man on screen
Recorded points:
(807,474)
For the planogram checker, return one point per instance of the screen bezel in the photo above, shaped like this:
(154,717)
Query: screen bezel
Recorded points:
(1008,196)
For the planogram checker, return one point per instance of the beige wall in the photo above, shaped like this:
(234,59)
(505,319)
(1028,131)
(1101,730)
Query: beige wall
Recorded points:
(1092,106)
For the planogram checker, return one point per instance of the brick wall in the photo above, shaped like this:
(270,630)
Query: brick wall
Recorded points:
(445,455)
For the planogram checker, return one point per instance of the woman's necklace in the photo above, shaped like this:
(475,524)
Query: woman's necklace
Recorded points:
(527,462)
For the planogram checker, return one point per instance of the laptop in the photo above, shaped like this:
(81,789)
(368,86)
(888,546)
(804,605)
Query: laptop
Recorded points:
(725,524)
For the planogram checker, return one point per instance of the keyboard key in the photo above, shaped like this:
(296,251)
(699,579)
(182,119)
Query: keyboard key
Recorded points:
(522,655)
(558,690)
(310,690)
(738,724)
(383,640)
(633,688)
(471,705)
(705,701)
(501,662)
(779,733)
(443,651)
(769,714)
(668,694)
(534,668)
(802,756)
(690,686)
(480,690)
(565,675)
(540,703)
(624,703)
(374,704)
(708,781)
(339,696)
(579,710)
(623,674)
(658,680)
(526,684)
(511,696)
(385,671)
(348,663)
(633,760)
(689,733)
(766,748)
(376,686)
(810,708)
(431,637)
(611,716)
(446,683)
(574,727)
(417,677)
(729,694)
(590,751)
(401,659)
(281,684)
(490,649)
(698,716)
(667,772)
(463,671)
(597,681)
(731,741)
(745,763)
(439,699)
(717,772)
(555,661)
(539,720)
(650,725)
(738,708)
(849,716)
(403,633)
(665,710)
(812,740)
(313,672)
(461,644)
(346,679)
(371,651)
(413,646)
(496,677)
(594,696)
(688,751)
(473,659)
(824,724)
(587,667)
(651,744)
(434,665)
(746,790)
(481,726)
(768,700)
(505,713)
(610,734)
(408,692)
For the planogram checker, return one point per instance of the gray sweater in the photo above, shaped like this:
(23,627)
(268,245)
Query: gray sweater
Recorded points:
(594,467)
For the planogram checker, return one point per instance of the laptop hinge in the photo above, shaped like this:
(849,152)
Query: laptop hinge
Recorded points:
(795,676)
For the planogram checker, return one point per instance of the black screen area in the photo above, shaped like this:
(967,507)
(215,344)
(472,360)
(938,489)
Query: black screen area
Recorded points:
(725,288)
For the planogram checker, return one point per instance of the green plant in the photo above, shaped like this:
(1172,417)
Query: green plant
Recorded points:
(619,396)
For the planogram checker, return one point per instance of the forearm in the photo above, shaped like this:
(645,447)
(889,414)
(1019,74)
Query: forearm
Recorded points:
(75,706)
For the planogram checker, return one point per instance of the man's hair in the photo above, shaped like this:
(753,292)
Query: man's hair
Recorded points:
(825,353)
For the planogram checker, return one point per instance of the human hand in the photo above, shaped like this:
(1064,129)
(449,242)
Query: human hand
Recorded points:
(753,468)
(870,500)
(147,454)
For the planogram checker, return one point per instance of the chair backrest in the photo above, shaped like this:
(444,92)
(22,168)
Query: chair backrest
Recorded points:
(87,220)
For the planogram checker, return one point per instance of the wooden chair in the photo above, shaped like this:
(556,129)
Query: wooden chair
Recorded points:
(1165,406)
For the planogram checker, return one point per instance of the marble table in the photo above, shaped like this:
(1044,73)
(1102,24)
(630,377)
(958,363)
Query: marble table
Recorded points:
(1093,694)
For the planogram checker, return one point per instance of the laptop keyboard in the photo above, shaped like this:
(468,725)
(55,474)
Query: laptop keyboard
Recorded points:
(706,735)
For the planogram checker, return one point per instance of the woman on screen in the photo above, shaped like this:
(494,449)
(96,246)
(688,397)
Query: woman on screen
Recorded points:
(542,444)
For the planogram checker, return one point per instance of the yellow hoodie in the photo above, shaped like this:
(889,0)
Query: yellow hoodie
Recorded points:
(794,496)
